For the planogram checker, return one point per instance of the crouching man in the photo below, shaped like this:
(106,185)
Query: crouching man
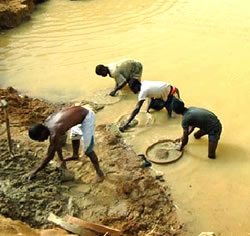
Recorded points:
(81,121)
(206,121)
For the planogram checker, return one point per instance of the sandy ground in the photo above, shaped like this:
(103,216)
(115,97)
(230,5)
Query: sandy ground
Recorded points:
(131,198)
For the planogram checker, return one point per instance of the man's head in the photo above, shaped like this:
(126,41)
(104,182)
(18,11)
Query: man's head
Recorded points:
(102,70)
(178,106)
(38,132)
(134,85)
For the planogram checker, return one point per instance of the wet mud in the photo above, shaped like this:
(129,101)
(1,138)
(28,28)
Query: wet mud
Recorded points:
(130,198)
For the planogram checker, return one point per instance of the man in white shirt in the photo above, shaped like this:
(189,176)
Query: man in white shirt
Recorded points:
(121,71)
(151,90)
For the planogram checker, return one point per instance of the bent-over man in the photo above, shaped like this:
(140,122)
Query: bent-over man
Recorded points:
(206,121)
(121,71)
(81,121)
(150,90)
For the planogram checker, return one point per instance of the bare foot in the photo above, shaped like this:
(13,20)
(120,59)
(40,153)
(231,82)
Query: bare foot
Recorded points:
(99,179)
(63,165)
(73,158)
(211,157)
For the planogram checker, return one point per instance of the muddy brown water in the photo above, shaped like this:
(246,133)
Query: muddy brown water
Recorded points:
(202,47)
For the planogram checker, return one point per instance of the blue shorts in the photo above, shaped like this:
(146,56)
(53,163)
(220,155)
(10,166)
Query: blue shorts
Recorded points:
(90,148)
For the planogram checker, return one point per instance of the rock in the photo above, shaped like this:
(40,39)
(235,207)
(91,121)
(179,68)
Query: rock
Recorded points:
(12,13)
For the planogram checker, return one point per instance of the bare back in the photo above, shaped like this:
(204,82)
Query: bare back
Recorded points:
(58,123)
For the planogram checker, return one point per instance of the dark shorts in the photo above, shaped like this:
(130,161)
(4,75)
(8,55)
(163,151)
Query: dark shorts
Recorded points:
(214,134)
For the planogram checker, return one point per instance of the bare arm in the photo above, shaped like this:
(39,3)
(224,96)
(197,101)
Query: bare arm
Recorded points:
(121,81)
(54,144)
(184,139)
(118,87)
(60,155)
(132,116)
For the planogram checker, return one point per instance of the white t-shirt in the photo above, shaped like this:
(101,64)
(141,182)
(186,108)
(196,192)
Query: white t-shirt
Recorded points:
(154,89)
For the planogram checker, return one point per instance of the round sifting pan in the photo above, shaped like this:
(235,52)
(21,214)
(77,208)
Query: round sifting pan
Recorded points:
(164,151)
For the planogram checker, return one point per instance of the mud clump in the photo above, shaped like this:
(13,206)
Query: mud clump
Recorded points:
(29,200)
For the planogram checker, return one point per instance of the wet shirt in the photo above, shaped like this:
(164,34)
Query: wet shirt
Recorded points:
(200,118)
(154,89)
(125,69)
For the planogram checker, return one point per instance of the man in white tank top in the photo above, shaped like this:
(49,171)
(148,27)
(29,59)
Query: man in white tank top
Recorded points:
(150,90)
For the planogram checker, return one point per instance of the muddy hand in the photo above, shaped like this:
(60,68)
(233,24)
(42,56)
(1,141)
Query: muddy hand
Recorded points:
(123,127)
(112,93)
(178,140)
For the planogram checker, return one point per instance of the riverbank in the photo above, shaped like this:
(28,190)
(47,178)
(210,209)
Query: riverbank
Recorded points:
(14,12)
(131,198)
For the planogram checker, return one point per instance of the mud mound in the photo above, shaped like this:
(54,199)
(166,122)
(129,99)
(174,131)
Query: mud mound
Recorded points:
(29,201)
(24,110)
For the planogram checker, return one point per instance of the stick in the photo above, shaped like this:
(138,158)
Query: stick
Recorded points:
(5,108)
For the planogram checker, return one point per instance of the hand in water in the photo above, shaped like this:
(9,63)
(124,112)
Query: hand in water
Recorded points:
(112,93)
(178,143)
(178,140)
(122,128)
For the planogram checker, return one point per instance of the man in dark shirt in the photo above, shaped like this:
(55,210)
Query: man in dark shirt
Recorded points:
(205,120)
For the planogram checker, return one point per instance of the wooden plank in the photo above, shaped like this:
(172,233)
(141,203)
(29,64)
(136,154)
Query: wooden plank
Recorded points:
(69,226)
(93,226)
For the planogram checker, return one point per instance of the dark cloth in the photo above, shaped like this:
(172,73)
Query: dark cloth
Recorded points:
(206,120)
(158,104)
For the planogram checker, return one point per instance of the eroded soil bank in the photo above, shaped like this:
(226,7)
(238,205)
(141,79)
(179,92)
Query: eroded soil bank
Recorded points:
(131,198)
(14,12)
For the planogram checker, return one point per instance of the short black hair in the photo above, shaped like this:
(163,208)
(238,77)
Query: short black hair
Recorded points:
(132,83)
(178,106)
(99,69)
(36,130)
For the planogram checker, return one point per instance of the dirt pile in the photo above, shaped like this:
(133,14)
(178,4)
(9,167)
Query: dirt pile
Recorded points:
(13,12)
(130,198)
(29,202)
(24,111)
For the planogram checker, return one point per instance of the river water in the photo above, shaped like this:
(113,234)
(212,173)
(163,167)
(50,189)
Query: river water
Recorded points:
(202,47)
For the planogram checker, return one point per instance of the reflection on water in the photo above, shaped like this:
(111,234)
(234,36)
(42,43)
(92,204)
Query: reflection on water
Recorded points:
(202,47)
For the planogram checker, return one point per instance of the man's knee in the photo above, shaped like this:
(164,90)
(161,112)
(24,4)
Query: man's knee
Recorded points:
(199,134)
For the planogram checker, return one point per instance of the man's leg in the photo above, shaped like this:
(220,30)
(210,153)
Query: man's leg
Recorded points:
(93,157)
(168,106)
(212,149)
(75,147)
(199,134)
